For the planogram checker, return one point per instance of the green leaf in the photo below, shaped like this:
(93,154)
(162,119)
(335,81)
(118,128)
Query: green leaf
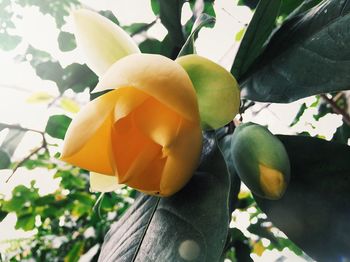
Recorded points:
(240,34)
(170,16)
(342,135)
(9,145)
(57,126)
(78,77)
(300,113)
(155,7)
(66,41)
(69,105)
(314,212)
(50,71)
(26,222)
(75,252)
(250,3)
(258,31)
(192,224)
(203,20)
(109,14)
(39,97)
(5,159)
(9,42)
(137,28)
(3,214)
(151,46)
(308,55)
(154,46)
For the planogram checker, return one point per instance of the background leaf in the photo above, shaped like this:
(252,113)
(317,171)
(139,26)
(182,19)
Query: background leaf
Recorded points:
(203,20)
(308,55)
(66,41)
(9,145)
(170,16)
(57,126)
(197,218)
(9,42)
(258,31)
(314,212)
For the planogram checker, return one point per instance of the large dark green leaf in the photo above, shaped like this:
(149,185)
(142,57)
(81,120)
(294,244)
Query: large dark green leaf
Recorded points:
(250,3)
(258,31)
(308,55)
(191,224)
(170,16)
(342,135)
(57,126)
(314,212)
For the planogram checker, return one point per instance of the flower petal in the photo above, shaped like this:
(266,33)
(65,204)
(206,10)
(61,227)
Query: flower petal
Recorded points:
(102,41)
(103,183)
(158,122)
(129,99)
(217,90)
(88,139)
(135,155)
(157,76)
(182,160)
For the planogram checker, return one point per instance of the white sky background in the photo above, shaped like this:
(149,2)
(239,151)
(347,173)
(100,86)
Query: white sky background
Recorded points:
(40,31)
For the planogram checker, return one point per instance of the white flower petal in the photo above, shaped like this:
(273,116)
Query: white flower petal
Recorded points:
(103,183)
(102,41)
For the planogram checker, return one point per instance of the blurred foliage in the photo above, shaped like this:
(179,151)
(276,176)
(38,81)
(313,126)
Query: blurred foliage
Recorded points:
(66,223)
(71,221)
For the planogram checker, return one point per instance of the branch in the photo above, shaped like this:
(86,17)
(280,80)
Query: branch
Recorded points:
(18,127)
(17,88)
(20,163)
(337,109)
(32,153)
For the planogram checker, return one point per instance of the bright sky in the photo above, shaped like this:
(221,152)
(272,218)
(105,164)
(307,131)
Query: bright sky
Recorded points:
(40,31)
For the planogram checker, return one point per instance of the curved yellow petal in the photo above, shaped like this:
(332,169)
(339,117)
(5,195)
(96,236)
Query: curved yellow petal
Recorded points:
(217,90)
(129,99)
(158,122)
(157,76)
(88,139)
(135,155)
(103,183)
(183,158)
(102,41)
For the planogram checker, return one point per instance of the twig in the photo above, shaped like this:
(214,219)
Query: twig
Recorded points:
(54,100)
(33,152)
(18,127)
(20,163)
(337,109)
(17,88)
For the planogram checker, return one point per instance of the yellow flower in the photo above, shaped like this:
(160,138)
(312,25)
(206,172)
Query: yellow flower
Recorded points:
(146,131)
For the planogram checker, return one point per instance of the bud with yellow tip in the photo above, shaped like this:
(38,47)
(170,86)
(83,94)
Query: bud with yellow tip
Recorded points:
(261,160)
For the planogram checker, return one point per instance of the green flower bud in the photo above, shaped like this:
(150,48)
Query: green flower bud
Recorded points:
(261,160)
(217,90)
